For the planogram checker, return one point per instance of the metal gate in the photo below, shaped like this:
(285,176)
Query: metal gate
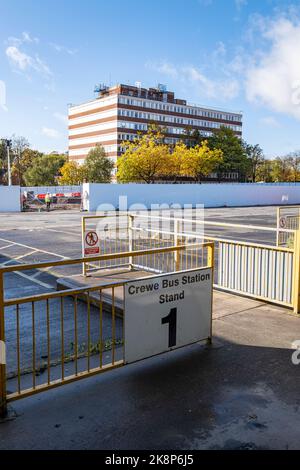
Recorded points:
(58,337)
(259,270)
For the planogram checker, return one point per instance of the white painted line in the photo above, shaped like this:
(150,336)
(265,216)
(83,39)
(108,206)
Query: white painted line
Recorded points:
(30,278)
(35,249)
(62,231)
(17,258)
(41,271)
(36,281)
(6,246)
(2,353)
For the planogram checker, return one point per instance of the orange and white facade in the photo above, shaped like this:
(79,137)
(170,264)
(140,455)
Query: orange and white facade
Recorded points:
(93,123)
(121,112)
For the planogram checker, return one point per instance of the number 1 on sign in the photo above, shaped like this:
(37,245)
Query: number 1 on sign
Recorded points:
(171,319)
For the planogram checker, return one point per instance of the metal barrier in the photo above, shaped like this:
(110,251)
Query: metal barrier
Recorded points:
(55,338)
(261,272)
(258,270)
(288,217)
(114,237)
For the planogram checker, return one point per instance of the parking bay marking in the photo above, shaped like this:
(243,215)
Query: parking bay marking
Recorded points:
(34,250)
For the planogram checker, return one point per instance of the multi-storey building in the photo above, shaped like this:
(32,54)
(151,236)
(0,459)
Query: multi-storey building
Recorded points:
(119,113)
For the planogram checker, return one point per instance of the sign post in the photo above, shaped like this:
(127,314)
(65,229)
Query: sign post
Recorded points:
(167,312)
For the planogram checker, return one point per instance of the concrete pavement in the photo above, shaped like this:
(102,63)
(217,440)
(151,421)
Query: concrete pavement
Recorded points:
(240,393)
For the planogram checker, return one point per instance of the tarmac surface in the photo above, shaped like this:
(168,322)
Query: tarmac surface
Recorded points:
(240,393)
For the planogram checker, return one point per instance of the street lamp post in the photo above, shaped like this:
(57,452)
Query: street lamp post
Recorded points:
(8,146)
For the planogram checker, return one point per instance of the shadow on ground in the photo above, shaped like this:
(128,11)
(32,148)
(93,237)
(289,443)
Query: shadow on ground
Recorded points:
(229,396)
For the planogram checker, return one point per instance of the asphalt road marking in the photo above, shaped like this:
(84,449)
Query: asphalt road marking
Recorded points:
(17,258)
(36,281)
(6,246)
(62,231)
(35,249)
(32,251)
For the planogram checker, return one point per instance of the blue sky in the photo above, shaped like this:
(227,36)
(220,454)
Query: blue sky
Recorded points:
(234,54)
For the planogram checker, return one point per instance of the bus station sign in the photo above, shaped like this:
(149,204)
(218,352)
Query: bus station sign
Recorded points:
(167,312)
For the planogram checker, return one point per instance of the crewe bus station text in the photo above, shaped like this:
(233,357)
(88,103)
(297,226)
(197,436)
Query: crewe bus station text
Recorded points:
(156,286)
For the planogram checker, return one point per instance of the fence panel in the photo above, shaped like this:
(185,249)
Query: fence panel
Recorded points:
(59,337)
(263,273)
(242,264)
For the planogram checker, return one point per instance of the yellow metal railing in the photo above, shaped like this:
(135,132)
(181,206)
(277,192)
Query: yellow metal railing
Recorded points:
(288,218)
(269,270)
(59,337)
(263,271)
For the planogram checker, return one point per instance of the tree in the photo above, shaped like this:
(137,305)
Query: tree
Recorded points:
(281,170)
(20,167)
(146,158)
(234,155)
(193,137)
(44,170)
(293,161)
(98,167)
(255,159)
(264,172)
(200,161)
(19,145)
(3,162)
(179,156)
(72,174)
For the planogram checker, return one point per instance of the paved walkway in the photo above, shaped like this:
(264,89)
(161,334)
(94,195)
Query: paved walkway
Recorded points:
(240,393)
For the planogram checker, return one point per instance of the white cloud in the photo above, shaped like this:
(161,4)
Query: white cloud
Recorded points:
(23,61)
(163,67)
(61,117)
(26,62)
(240,4)
(59,48)
(52,133)
(270,121)
(223,89)
(18,58)
(25,38)
(273,78)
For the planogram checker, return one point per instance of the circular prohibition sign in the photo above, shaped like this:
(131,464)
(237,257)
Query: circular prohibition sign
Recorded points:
(91,238)
(282,222)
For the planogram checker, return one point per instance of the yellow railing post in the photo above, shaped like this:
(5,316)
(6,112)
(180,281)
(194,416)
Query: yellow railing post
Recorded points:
(296,273)
(211,264)
(3,405)
(176,243)
(130,238)
(83,241)
(278,226)
(210,255)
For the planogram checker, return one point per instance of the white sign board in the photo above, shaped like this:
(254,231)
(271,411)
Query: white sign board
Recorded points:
(167,312)
(91,243)
(283,222)
(2,353)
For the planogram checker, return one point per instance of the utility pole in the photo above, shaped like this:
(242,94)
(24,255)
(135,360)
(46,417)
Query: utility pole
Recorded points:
(8,145)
